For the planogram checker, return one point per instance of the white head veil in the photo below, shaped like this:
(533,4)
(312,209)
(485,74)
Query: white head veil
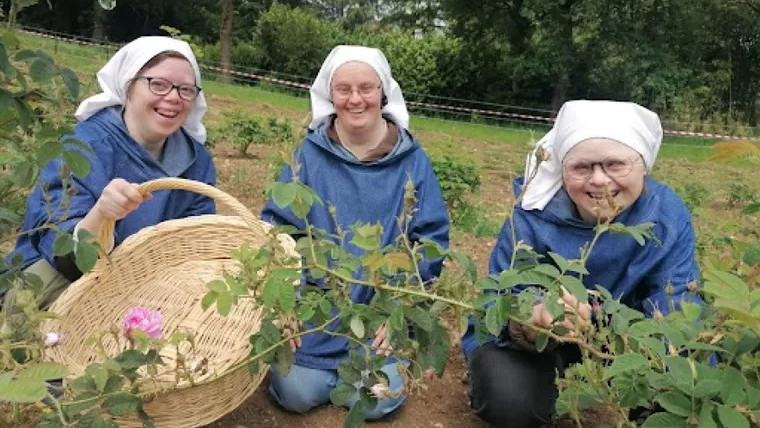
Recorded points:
(577,121)
(124,65)
(321,99)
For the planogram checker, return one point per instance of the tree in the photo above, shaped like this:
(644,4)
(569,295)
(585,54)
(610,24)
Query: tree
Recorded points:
(225,36)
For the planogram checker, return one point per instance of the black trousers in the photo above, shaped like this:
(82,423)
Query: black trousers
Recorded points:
(513,388)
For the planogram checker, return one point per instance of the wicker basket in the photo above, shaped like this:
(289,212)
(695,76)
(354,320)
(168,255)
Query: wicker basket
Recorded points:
(166,267)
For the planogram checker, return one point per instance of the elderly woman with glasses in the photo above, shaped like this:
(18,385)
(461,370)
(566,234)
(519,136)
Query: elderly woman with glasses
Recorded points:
(595,168)
(146,124)
(357,156)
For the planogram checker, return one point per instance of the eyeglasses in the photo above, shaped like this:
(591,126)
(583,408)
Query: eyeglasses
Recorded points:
(161,86)
(582,169)
(364,90)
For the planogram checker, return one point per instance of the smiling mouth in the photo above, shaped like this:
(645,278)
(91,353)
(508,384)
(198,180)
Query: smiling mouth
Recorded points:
(602,196)
(167,114)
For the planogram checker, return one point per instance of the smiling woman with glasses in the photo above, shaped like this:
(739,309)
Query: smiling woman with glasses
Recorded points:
(357,156)
(592,167)
(137,129)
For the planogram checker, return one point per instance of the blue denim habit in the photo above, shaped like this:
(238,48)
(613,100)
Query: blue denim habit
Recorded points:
(635,274)
(114,155)
(369,192)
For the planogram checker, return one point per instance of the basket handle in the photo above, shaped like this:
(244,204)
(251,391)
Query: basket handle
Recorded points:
(219,196)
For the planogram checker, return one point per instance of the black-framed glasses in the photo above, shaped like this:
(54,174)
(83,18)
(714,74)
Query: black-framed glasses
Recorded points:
(161,86)
(613,166)
(364,90)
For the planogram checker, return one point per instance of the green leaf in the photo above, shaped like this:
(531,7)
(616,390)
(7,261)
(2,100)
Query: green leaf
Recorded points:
(706,388)
(85,255)
(63,244)
(340,395)
(625,363)
(547,270)
(305,313)
(731,418)
(283,194)
(705,416)
(691,311)
(367,237)
(287,296)
(48,151)
(396,319)
(23,391)
(44,371)
(676,403)
(6,99)
(42,70)
(113,384)
(208,300)
(283,359)
(22,173)
(355,416)
(224,303)
(348,373)
(121,403)
(217,286)
(84,384)
(575,287)
(99,374)
(665,420)
(24,114)
(357,326)
(77,162)
(732,387)
(542,340)
(497,315)
(506,279)
(71,81)
(421,317)
(25,54)
(130,359)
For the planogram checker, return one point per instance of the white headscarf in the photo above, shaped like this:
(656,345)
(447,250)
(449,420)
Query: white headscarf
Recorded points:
(124,65)
(577,121)
(321,99)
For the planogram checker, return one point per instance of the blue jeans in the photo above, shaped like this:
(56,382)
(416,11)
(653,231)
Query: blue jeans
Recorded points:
(304,388)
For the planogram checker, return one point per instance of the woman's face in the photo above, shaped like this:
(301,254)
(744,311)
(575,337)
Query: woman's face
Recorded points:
(602,177)
(356,95)
(155,117)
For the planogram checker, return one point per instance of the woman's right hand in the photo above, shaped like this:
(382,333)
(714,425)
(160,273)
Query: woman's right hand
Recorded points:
(118,199)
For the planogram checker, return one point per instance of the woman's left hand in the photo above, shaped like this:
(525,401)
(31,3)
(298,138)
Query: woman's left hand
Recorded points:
(382,343)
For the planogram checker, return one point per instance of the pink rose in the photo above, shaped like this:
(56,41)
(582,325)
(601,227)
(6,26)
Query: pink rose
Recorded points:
(145,320)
